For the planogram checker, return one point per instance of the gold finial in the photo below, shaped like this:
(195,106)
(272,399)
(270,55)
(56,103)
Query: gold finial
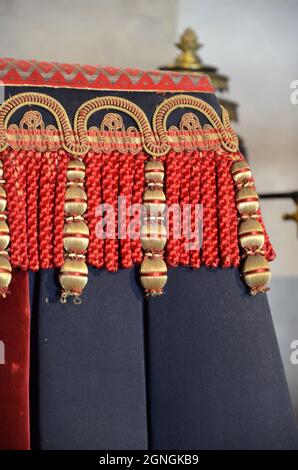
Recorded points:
(188,61)
(188,44)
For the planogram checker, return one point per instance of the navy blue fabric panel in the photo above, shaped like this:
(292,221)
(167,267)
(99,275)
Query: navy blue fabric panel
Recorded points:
(216,379)
(88,379)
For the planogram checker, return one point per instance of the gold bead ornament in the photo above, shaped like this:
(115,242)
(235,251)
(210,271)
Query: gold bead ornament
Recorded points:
(74,277)
(153,275)
(75,201)
(251,235)
(5,266)
(4,235)
(153,236)
(255,269)
(76,237)
(153,231)
(256,273)
(74,272)
(76,171)
(154,202)
(154,172)
(5,275)
(241,172)
(247,201)
(2,199)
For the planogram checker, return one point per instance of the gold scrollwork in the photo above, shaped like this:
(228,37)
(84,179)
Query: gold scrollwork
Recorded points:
(155,139)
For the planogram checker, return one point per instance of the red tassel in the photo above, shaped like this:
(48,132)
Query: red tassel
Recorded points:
(185,215)
(137,197)
(234,222)
(110,178)
(46,214)
(208,199)
(224,216)
(94,197)
(22,210)
(10,176)
(173,179)
(60,190)
(126,173)
(33,167)
(194,195)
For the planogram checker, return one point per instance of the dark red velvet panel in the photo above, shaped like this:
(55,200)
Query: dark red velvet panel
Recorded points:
(14,365)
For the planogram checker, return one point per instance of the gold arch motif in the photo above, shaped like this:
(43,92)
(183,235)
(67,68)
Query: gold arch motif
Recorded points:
(155,139)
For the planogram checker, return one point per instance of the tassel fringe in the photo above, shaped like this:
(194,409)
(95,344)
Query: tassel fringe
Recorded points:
(35,186)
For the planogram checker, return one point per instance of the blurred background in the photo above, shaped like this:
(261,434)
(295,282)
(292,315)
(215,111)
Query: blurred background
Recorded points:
(253,43)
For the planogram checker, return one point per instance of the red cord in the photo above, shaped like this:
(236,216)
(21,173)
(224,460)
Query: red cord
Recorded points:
(224,215)
(137,197)
(184,201)
(46,213)
(10,177)
(173,177)
(194,196)
(60,190)
(208,199)
(110,177)
(33,166)
(126,173)
(94,196)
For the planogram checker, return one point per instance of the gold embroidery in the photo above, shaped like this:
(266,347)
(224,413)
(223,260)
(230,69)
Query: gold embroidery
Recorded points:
(156,140)
(32,134)
(192,135)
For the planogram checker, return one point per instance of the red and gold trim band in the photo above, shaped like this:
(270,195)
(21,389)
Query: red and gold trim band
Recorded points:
(36,73)
(156,139)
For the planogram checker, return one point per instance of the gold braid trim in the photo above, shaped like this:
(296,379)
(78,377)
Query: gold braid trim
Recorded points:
(227,135)
(155,140)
